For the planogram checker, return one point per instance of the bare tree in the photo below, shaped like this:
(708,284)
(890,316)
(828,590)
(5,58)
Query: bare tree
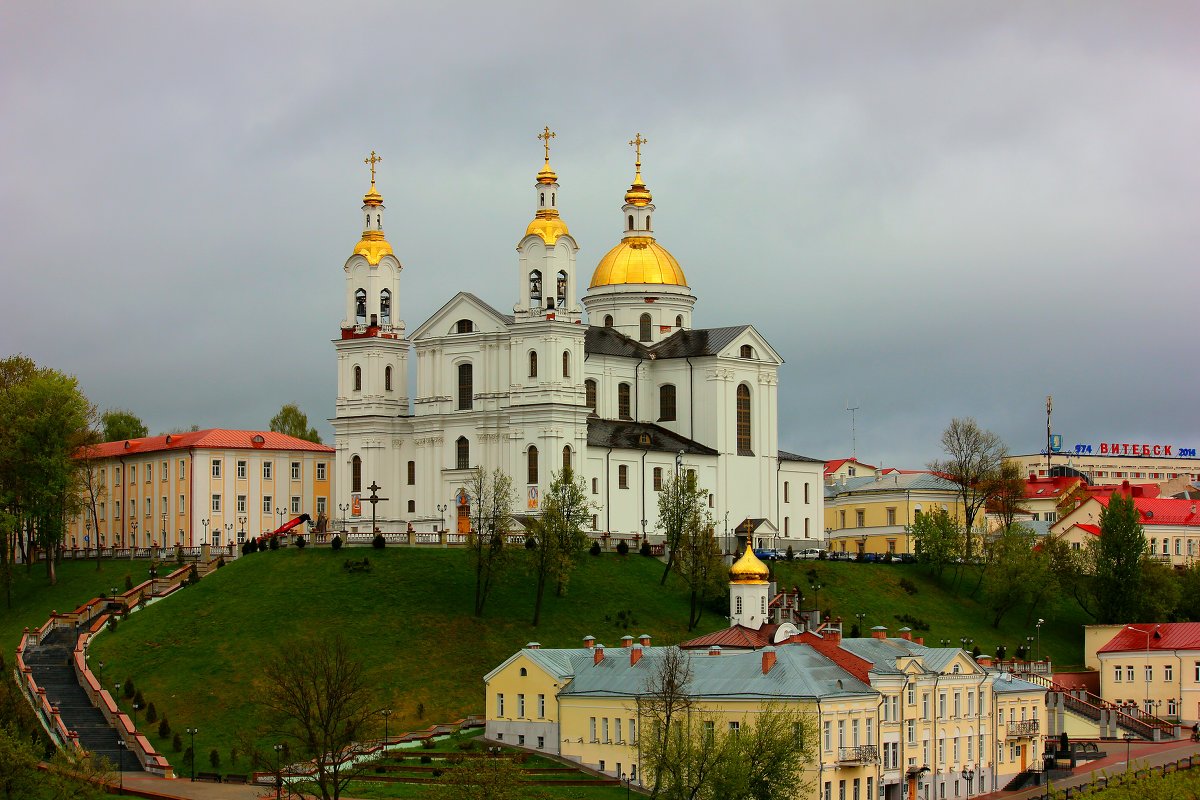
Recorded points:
(662,706)
(679,501)
(559,537)
(698,561)
(973,459)
(492,500)
(316,696)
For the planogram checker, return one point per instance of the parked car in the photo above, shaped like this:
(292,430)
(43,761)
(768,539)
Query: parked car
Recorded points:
(808,553)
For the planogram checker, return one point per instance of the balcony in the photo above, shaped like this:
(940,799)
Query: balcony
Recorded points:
(864,754)
(1027,727)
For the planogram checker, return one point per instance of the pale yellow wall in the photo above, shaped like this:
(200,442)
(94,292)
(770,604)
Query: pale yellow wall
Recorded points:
(1095,637)
(511,683)
(881,529)
(1173,677)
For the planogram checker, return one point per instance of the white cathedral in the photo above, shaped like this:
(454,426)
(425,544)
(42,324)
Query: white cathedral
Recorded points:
(620,385)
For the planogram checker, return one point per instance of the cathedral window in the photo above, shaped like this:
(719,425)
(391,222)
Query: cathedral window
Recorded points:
(561,289)
(746,351)
(535,288)
(622,476)
(623,401)
(647,222)
(644,328)
(658,479)
(464,326)
(566,458)
(666,402)
(385,307)
(412,506)
(679,321)
(532,464)
(608,320)
(542,199)
(412,473)
(462,453)
(465,390)
(532,364)
(737,604)
(589,389)
(743,420)
(387,378)
(631,222)
(358,379)
(356,474)
(360,306)
(552,198)
(566,363)
(787,492)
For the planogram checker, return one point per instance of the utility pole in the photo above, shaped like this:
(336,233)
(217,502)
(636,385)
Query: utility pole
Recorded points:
(853,430)
(1049,408)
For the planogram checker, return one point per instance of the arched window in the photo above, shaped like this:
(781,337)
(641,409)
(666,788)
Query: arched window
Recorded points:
(623,401)
(743,420)
(532,364)
(357,378)
(462,453)
(561,289)
(566,363)
(465,389)
(464,326)
(356,474)
(658,479)
(737,605)
(385,307)
(631,222)
(746,351)
(666,402)
(412,473)
(387,378)
(542,199)
(360,306)
(532,464)
(647,222)
(679,321)
(552,198)
(608,320)
(566,458)
(589,388)
(535,288)
(644,328)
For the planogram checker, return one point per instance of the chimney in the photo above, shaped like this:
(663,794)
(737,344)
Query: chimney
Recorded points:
(984,661)
(906,633)
(878,474)
(644,640)
(714,650)
(879,632)
(635,654)
(768,659)
(920,640)
(533,646)
(833,632)
(597,654)
(626,640)
(589,642)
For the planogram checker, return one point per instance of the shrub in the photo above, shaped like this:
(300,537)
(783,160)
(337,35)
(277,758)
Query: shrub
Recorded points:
(976,652)
(595,549)
(129,688)
(179,555)
(622,548)
(220,561)
(855,633)
(164,728)
(1001,651)
(426,759)
(455,759)
(521,758)
(112,623)
(233,756)
(274,543)
(336,542)
(139,699)
(916,623)
(466,744)
(188,757)
(246,547)
(908,586)
(821,556)
(378,542)
(193,574)
(300,542)
(437,773)
(214,758)
(151,714)
(645,549)
(128,582)
(790,554)
(420,711)
(428,744)
(176,743)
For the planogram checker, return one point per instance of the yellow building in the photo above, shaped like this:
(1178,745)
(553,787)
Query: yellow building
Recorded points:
(1171,527)
(1154,666)
(201,487)
(873,513)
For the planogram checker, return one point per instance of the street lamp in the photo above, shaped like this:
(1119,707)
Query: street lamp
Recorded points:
(1147,632)
(278,748)
(1129,737)
(229,533)
(343,508)
(121,764)
(442,511)
(132,537)
(87,537)
(204,522)
(626,779)
(1039,638)
(386,712)
(816,587)
(241,529)
(861,616)
(969,775)
(192,733)
(944,642)
(282,513)
(1028,647)
(966,642)
(164,529)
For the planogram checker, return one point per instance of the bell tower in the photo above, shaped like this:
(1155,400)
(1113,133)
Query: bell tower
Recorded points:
(546,283)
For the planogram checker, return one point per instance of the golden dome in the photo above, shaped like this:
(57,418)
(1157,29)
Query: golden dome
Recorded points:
(748,569)
(547,175)
(638,194)
(373,197)
(548,225)
(373,247)
(638,259)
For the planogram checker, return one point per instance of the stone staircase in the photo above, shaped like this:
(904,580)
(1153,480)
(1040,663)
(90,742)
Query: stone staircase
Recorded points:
(51,665)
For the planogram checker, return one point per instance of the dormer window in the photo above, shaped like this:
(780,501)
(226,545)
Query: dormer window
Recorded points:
(464,326)
(746,352)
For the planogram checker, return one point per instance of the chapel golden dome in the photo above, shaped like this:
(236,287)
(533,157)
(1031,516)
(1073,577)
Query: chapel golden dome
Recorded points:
(748,569)
(373,247)
(548,227)
(546,175)
(638,194)
(638,259)
(373,197)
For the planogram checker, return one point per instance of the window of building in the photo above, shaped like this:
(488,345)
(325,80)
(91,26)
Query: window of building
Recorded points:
(357,378)
(295,470)
(360,305)
(589,389)
(531,465)
(216,469)
(465,391)
(500,704)
(608,320)
(842,519)
(462,453)
(266,504)
(746,351)
(149,472)
(356,474)
(644,328)
(411,477)
(1168,672)
(743,420)
(787,526)
(623,476)
(566,364)
(133,474)
(658,479)
(541,706)
(182,469)
(532,364)
(295,505)
(520,706)
(267,470)
(623,401)
(595,486)
(859,518)
(666,402)
(566,461)
(1129,671)
(826,740)
(320,470)
(241,470)
(387,378)
(891,516)
(464,326)
(412,506)
(164,473)
(182,504)
(787,491)
(241,504)
(595,522)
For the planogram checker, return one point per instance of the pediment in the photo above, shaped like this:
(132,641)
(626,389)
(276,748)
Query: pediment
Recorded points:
(463,305)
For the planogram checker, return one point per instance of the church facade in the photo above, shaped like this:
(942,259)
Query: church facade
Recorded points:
(614,380)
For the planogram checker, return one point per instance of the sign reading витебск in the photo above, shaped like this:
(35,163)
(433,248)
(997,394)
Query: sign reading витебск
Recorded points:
(1130,449)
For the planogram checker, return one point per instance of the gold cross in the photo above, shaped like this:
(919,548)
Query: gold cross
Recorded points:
(372,161)
(637,142)
(546,135)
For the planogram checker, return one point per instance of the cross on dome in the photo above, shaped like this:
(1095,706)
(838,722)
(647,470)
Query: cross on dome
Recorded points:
(372,161)
(546,135)
(636,142)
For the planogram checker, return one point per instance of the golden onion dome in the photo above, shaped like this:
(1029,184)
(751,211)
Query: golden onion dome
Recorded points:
(748,569)
(373,197)
(638,259)
(373,247)
(638,194)
(549,226)
(547,175)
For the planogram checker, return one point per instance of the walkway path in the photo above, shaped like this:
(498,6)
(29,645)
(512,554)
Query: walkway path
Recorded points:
(184,789)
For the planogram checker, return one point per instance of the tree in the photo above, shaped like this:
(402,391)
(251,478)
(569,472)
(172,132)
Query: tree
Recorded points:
(492,498)
(679,501)
(662,705)
(1118,553)
(293,422)
(1161,592)
(698,561)
(938,539)
(1007,493)
(494,778)
(316,697)
(1015,572)
(559,536)
(119,424)
(766,758)
(973,459)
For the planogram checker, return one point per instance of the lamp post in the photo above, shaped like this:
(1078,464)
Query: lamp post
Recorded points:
(192,733)
(343,508)
(386,712)
(860,616)
(87,537)
(966,642)
(727,532)
(374,500)
(282,512)
(1028,647)
(229,533)
(442,511)
(121,764)
(278,748)
(816,587)
(626,779)
(1039,638)
(969,775)
(132,537)
(204,522)
(1128,740)
(241,529)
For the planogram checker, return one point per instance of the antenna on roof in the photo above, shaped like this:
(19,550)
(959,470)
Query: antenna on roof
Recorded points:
(853,430)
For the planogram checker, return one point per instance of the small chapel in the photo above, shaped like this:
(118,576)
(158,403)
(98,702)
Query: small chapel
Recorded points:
(612,377)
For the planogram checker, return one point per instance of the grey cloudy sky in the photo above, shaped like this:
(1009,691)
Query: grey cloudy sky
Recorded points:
(930,209)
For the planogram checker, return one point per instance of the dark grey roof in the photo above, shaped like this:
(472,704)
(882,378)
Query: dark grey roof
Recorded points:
(1006,683)
(628,435)
(603,341)
(681,344)
(891,482)
(784,455)
(507,317)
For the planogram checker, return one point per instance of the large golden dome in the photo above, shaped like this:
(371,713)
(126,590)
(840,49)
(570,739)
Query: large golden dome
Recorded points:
(548,227)
(638,259)
(748,569)
(373,247)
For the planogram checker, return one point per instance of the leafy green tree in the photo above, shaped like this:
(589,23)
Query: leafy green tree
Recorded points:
(559,536)
(494,778)
(492,499)
(938,540)
(698,561)
(679,501)
(18,764)
(1119,553)
(766,758)
(1189,594)
(973,460)
(1015,572)
(1074,571)
(1161,592)
(119,424)
(293,422)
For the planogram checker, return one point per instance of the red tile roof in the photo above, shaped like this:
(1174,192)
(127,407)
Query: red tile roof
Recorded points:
(1162,510)
(1094,530)
(1164,636)
(735,636)
(1038,488)
(836,464)
(214,438)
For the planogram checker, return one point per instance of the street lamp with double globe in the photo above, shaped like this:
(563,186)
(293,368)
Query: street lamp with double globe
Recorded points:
(968,775)
(192,733)
(386,712)
(278,748)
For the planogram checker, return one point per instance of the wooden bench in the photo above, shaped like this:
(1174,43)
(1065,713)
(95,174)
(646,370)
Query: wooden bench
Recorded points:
(215,777)
(237,779)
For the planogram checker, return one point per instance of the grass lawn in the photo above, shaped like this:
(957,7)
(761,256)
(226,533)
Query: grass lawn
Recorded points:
(78,581)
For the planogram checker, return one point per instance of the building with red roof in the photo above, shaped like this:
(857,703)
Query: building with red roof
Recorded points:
(199,487)
(1171,525)
(1155,666)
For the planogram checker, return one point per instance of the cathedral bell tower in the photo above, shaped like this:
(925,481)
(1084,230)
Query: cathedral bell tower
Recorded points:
(372,357)
(749,587)
(546,284)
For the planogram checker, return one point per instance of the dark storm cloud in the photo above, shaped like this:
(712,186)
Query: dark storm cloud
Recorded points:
(930,209)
